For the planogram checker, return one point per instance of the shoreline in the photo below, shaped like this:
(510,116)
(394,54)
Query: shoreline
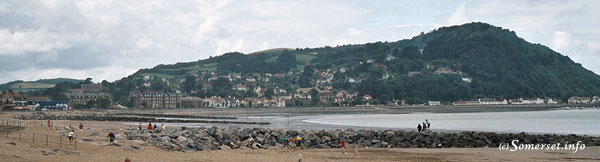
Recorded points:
(299,118)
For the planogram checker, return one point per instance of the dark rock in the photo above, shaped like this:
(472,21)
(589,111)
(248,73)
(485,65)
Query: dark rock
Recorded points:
(11,143)
(136,147)
(46,153)
(68,152)
(94,134)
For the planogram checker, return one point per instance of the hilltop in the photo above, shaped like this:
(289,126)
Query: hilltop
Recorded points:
(469,61)
(27,86)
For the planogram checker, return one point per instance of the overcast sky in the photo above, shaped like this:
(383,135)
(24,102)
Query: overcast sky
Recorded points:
(110,39)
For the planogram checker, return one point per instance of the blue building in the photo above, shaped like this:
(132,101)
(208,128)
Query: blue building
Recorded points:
(48,105)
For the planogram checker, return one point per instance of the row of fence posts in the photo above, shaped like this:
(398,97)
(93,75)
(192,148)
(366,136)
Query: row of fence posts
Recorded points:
(13,123)
(16,124)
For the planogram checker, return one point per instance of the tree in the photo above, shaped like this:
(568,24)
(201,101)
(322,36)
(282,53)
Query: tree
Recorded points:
(145,104)
(314,96)
(269,93)
(304,82)
(287,58)
(90,104)
(189,84)
(59,97)
(103,102)
(88,81)
(222,83)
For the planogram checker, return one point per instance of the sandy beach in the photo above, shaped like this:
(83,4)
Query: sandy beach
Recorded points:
(25,151)
(95,149)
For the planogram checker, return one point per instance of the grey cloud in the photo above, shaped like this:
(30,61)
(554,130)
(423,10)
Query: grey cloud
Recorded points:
(96,38)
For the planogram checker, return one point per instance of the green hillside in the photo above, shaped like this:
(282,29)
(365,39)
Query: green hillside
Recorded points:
(469,61)
(26,86)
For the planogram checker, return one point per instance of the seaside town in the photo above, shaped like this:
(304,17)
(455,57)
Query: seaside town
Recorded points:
(303,81)
(262,92)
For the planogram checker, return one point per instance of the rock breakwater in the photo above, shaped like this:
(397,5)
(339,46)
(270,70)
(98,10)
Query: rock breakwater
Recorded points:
(96,117)
(198,139)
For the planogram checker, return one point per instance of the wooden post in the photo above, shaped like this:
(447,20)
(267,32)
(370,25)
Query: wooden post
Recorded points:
(75,143)
(20,135)
(46,140)
(33,139)
(60,141)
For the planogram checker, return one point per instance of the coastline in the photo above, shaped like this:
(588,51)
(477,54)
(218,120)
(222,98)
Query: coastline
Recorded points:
(97,150)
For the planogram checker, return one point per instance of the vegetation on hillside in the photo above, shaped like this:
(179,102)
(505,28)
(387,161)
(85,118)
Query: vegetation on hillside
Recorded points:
(469,61)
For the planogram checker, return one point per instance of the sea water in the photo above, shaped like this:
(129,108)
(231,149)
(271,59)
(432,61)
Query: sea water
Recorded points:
(584,122)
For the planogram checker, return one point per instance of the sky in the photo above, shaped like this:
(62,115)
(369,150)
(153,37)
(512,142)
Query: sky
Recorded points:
(111,39)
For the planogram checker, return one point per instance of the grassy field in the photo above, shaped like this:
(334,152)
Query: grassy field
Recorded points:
(157,75)
(31,86)
(211,67)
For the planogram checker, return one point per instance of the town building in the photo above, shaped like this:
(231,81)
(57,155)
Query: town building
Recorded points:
(82,98)
(92,87)
(191,102)
(8,99)
(154,100)
(435,103)
(579,100)
(491,101)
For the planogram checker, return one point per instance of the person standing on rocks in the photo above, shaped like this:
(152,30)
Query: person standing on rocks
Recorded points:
(149,126)
(302,141)
(80,125)
(299,141)
(428,124)
(155,127)
(163,127)
(140,126)
(70,135)
(286,143)
(250,140)
(419,128)
(424,126)
(111,137)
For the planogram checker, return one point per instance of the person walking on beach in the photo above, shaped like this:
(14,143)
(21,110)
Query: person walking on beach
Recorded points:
(111,137)
(70,135)
(428,124)
(149,126)
(356,150)
(419,128)
(163,127)
(342,145)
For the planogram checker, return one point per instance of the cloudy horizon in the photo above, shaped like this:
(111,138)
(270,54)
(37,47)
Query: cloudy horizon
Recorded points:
(110,39)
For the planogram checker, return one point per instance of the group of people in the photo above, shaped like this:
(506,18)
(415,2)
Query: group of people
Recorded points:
(150,127)
(426,126)
(71,134)
(298,141)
